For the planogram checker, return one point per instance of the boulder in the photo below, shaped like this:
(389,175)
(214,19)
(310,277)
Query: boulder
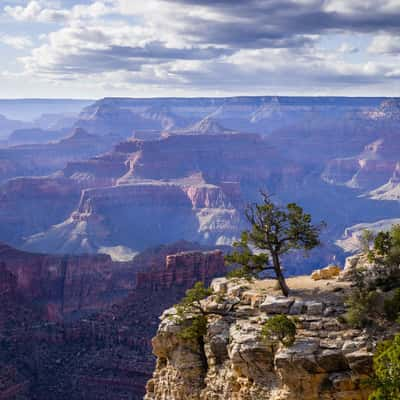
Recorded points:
(314,307)
(276,305)
(298,307)
(329,272)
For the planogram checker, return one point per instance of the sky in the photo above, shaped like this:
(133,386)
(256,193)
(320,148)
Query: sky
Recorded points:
(150,48)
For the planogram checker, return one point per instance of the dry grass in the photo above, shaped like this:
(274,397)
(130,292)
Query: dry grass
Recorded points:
(306,288)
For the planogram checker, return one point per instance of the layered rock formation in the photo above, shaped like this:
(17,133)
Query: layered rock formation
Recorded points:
(34,135)
(103,355)
(31,205)
(207,126)
(327,361)
(369,170)
(67,285)
(318,152)
(42,159)
(154,192)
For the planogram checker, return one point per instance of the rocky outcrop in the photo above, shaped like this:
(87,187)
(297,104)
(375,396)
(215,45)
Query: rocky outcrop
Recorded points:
(372,168)
(67,285)
(350,241)
(183,269)
(329,272)
(207,126)
(327,360)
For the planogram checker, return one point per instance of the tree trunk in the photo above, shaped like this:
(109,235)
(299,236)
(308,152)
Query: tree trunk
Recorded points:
(279,275)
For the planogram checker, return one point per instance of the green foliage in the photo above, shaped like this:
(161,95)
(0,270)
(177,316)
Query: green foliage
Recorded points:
(282,228)
(360,303)
(275,230)
(196,328)
(387,246)
(190,306)
(366,240)
(392,306)
(386,379)
(191,302)
(280,328)
(251,264)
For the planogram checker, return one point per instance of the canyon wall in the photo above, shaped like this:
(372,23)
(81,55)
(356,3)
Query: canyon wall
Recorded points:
(104,354)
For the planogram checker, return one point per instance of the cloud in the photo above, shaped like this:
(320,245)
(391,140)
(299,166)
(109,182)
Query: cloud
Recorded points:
(385,44)
(233,45)
(45,11)
(36,11)
(346,48)
(17,42)
(86,49)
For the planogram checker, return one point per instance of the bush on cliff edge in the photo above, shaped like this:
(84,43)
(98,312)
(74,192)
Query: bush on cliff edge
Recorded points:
(386,379)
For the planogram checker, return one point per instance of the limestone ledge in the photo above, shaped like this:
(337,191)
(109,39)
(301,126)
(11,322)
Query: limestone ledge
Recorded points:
(327,361)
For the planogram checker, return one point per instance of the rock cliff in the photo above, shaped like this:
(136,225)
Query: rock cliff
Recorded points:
(328,360)
(66,286)
(103,355)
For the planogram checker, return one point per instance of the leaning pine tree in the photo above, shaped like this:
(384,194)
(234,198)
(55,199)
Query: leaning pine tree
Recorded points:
(274,231)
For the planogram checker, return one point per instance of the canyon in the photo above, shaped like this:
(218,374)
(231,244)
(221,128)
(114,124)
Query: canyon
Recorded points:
(107,216)
(136,173)
(89,320)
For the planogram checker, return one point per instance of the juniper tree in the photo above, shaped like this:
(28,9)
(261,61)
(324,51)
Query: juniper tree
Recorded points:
(193,315)
(274,231)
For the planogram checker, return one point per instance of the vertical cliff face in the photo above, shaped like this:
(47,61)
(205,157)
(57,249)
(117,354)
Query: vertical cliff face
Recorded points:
(102,355)
(327,361)
(64,285)
(183,269)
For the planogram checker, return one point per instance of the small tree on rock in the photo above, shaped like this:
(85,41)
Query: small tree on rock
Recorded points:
(386,379)
(280,328)
(274,231)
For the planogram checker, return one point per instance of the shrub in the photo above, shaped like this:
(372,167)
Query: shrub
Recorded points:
(280,328)
(386,379)
(387,246)
(196,329)
(366,240)
(360,303)
(392,306)
(191,305)
(243,272)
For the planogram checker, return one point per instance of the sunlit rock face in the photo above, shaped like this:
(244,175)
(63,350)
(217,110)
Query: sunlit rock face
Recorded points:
(234,361)
(154,192)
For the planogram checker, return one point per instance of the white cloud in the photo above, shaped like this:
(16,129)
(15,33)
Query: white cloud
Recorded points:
(385,44)
(17,42)
(203,45)
(347,48)
(44,11)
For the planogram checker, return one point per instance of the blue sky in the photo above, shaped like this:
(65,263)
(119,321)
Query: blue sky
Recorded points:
(92,49)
